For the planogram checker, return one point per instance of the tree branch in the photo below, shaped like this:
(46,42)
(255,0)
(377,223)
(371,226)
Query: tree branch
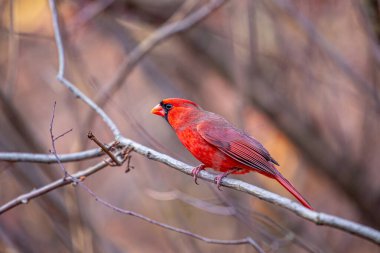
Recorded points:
(25,198)
(49,158)
(247,240)
(67,83)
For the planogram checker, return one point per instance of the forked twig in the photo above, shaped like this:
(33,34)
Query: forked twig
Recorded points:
(106,150)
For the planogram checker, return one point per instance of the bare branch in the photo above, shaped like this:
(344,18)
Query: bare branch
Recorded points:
(54,151)
(67,83)
(247,240)
(49,158)
(58,40)
(25,198)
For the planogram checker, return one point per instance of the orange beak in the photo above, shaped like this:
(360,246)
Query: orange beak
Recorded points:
(158,110)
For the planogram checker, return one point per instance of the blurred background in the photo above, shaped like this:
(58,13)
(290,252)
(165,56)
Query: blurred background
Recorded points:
(300,76)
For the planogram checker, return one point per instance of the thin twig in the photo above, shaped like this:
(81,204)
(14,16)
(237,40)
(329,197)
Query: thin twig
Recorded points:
(54,139)
(129,166)
(58,40)
(106,150)
(247,240)
(51,126)
(63,134)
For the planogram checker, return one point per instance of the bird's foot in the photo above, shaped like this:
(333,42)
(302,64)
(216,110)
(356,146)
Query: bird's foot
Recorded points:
(196,171)
(218,179)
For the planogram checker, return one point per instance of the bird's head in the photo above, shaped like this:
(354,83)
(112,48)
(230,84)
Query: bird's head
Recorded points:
(175,110)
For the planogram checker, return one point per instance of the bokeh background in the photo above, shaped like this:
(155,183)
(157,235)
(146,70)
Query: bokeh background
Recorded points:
(300,76)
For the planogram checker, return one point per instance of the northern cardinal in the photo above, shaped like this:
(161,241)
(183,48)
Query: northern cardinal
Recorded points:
(218,144)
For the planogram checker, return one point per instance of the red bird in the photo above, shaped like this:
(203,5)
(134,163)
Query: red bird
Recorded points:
(218,144)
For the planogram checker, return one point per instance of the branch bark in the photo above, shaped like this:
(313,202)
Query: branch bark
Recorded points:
(25,198)
(48,158)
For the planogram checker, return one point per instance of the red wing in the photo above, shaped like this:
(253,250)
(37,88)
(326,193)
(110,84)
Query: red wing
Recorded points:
(237,144)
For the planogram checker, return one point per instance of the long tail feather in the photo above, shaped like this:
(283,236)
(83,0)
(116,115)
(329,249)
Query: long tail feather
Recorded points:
(288,186)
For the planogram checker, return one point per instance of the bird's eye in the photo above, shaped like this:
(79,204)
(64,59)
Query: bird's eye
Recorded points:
(168,107)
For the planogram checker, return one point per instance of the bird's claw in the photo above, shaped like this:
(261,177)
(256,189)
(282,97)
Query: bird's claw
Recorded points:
(196,171)
(218,180)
